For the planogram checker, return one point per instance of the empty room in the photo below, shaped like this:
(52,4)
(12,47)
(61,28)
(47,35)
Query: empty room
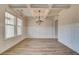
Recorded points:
(39,29)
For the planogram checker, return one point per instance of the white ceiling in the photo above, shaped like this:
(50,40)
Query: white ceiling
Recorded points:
(31,10)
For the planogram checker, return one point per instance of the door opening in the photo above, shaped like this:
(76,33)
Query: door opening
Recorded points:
(56,29)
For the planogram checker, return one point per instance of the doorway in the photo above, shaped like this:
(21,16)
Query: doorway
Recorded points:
(56,29)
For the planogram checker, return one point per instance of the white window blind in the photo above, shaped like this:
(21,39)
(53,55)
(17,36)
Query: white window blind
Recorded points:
(9,25)
(19,26)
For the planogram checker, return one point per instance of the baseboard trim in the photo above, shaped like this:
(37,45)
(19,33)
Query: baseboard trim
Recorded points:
(43,38)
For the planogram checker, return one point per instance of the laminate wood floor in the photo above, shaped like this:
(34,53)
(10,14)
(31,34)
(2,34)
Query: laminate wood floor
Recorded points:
(39,47)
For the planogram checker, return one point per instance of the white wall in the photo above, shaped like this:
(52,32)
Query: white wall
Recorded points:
(44,30)
(68,31)
(5,44)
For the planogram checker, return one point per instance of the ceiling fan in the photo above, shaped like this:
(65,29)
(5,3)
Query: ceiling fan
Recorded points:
(39,21)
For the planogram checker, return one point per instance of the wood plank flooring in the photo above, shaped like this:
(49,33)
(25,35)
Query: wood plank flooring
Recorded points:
(39,47)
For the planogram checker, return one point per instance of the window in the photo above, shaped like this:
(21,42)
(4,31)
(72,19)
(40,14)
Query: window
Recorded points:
(9,25)
(19,26)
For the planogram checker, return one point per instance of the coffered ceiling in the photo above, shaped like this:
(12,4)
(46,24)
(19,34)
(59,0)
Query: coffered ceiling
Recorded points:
(39,6)
(46,10)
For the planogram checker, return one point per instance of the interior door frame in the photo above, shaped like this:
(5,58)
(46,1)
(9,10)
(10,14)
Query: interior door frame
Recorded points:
(56,29)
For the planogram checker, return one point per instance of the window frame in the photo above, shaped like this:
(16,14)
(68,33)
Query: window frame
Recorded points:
(21,26)
(6,38)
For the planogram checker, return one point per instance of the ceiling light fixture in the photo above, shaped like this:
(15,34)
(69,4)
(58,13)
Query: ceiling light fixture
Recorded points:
(39,21)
